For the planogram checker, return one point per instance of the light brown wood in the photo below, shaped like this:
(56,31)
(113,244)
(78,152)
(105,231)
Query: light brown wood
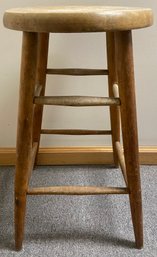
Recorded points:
(42,56)
(125,69)
(77,72)
(38,89)
(115,91)
(76,190)
(32,159)
(121,160)
(117,22)
(77,18)
(77,101)
(75,155)
(78,155)
(24,132)
(112,80)
(78,132)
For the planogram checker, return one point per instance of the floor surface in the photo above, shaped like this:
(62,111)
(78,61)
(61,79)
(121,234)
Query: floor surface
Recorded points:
(77,226)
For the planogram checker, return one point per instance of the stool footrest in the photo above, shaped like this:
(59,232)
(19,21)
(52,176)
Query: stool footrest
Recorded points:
(76,101)
(76,190)
(77,72)
(78,132)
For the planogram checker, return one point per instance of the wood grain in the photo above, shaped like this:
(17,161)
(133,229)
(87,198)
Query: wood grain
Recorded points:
(121,160)
(112,80)
(68,19)
(42,57)
(78,132)
(77,101)
(125,67)
(76,190)
(24,131)
(77,72)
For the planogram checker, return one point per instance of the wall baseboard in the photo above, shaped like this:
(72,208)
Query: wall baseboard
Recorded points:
(78,155)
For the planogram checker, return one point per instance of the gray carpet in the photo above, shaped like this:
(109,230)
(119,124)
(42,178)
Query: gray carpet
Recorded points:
(79,225)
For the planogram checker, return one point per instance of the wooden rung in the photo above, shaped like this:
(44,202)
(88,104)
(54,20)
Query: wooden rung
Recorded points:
(121,160)
(76,101)
(77,72)
(76,190)
(75,132)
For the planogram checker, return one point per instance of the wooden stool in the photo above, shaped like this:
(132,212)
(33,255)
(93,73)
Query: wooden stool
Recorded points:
(36,24)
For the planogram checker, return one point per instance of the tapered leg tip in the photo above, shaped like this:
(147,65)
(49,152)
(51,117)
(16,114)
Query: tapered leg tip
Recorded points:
(139,245)
(18,247)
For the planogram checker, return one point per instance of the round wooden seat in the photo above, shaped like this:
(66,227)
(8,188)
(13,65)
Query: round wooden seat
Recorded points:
(77,18)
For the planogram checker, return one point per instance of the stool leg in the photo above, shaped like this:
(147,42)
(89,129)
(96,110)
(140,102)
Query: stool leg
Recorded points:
(125,69)
(24,131)
(43,41)
(112,79)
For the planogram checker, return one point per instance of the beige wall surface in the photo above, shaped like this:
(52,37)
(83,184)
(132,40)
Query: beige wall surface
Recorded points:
(78,50)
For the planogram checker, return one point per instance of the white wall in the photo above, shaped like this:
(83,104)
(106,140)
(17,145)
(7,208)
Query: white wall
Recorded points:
(78,50)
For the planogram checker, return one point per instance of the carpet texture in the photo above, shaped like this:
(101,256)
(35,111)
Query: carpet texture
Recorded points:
(77,226)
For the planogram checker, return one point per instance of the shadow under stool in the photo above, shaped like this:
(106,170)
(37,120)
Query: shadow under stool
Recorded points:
(37,23)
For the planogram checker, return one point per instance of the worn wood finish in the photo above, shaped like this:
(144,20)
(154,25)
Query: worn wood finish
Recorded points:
(75,132)
(76,190)
(77,72)
(112,79)
(115,91)
(24,133)
(77,101)
(121,160)
(117,22)
(129,128)
(77,18)
(38,90)
(42,56)
(32,159)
